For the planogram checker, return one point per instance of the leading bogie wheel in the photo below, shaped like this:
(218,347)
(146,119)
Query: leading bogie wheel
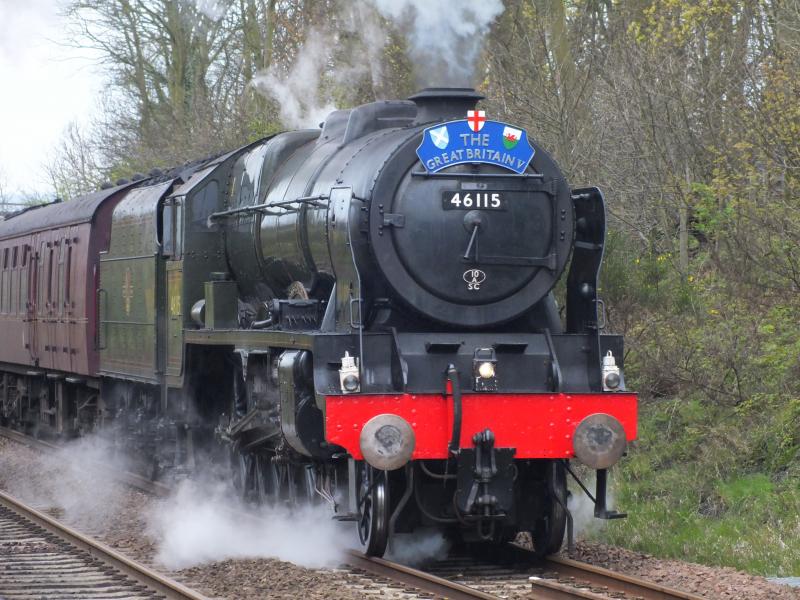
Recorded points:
(548,533)
(373,510)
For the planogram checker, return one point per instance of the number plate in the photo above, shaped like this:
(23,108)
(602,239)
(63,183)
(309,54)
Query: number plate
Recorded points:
(472,200)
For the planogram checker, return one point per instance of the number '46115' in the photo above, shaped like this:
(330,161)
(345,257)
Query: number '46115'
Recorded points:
(476,200)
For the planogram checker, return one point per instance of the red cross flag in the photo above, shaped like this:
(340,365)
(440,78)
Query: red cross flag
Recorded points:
(476,119)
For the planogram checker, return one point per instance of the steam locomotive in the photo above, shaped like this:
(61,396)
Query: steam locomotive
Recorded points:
(361,315)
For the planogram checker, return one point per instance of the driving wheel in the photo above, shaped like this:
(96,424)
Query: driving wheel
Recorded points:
(373,510)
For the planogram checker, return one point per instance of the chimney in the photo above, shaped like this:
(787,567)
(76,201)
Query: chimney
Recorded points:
(444,104)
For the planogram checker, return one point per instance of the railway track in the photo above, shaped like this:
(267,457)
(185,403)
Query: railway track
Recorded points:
(569,572)
(513,574)
(43,558)
(424,581)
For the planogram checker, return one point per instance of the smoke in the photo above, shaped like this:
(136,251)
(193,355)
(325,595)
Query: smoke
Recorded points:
(582,509)
(212,9)
(362,20)
(417,548)
(445,37)
(298,91)
(76,481)
(204,521)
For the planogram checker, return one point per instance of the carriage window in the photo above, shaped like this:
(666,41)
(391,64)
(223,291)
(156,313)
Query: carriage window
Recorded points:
(168,229)
(40,284)
(3,285)
(68,277)
(23,279)
(7,281)
(172,246)
(50,276)
(61,278)
(13,282)
(178,229)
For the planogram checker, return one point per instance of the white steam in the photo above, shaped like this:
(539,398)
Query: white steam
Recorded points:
(76,480)
(212,9)
(298,92)
(417,548)
(204,522)
(363,20)
(582,509)
(445,37)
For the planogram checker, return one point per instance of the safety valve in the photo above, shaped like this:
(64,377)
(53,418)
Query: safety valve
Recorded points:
(611,375)
(349,378)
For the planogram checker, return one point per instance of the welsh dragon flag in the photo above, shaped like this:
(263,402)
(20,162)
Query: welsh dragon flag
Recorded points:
(511,137)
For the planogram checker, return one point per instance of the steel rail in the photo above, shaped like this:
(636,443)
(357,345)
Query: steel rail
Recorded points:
(402,574)
(545,589)
(153,580)
(425,582)
(27,440)
(600,577)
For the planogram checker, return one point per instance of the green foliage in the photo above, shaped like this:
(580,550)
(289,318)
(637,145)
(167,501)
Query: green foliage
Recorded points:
(714,475)
(710,216)
(259,127)
(688,498)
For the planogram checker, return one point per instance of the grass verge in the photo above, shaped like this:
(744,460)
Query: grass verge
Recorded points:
(696,488)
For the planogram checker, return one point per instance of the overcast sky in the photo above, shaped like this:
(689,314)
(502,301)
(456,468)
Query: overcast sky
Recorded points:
(43,86)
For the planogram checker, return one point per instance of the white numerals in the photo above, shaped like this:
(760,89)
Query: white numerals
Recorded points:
(476,200)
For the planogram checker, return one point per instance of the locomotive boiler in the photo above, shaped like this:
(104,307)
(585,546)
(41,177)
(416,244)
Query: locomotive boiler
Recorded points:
(363,315)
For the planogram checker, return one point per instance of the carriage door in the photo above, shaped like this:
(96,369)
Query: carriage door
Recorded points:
(36,301)
(28,295)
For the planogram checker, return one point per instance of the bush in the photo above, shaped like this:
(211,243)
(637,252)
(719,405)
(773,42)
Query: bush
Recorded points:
(714,475)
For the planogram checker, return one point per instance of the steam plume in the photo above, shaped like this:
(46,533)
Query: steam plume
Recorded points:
(445,37)
(76,479)
(203,521)
(445,40)
(212,9)
(582,509)
(417,548)
(298,92)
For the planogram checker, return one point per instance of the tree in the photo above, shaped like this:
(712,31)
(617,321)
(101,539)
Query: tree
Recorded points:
(75,166)
(3,185)
(183,74)
(174,77)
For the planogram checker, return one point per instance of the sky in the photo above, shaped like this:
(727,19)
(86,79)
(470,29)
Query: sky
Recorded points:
(43,86)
